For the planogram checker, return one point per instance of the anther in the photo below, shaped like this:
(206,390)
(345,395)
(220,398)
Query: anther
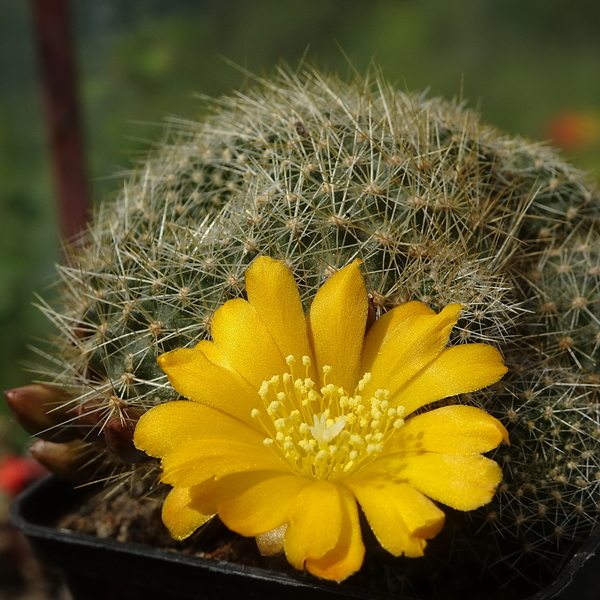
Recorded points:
(272,408)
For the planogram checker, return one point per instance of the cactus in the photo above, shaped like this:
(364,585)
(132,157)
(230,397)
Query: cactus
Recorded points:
(439,207)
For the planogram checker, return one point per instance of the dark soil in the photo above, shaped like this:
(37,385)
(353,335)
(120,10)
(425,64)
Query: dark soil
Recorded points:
(137,520)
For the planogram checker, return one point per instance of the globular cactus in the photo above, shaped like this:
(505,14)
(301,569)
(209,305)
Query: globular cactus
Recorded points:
(439,207)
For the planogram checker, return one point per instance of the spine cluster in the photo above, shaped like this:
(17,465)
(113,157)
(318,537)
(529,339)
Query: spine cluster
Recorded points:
(439,207)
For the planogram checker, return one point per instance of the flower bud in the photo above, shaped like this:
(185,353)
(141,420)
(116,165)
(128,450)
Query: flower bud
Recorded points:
(43,410)
(271,542)
(89,421)
(118,433)
(69,460)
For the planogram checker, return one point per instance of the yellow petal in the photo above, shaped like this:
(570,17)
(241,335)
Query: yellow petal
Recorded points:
(385,326)
(273,293)
(464,482)
(210,350)
(456,370)
(195,461)
(178,517)
(315,522)
(449,430)
(401,518)
(348,554)
(246,343)
(409,348)
(197,378)
(263,506)
(207,496)
(166,426)
(185,509)
(338,317)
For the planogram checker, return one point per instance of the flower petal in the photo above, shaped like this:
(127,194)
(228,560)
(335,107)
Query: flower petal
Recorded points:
(197,378)
(273,293)
(195,461)
(411,347)
(246,343)
(164,427)
(210,350)
(456,370)
(450,430)
(464,482)
(348,554)
(385,326)
(207,496)
(315,523)
(263,506)
(178,517)
(338,317)
(401,517)
(185,509)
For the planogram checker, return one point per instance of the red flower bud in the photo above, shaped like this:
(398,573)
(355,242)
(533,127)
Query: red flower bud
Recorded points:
(70,460)
(118,433)
(89,421)
(43,410)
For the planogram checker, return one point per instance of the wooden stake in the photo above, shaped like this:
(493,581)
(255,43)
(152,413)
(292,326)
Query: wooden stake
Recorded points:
(51,21)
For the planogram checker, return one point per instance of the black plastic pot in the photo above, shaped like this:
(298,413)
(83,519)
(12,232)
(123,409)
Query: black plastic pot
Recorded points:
(102,569)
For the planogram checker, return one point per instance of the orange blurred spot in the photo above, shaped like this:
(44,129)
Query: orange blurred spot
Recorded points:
(574,130)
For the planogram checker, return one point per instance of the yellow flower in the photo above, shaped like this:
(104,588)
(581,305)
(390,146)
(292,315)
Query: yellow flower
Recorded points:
(297,419)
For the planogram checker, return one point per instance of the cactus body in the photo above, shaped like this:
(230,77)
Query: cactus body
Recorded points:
(439,207)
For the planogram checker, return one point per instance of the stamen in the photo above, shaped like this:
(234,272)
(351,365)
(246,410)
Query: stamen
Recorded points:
(272,408)
(302,423)
(363,382)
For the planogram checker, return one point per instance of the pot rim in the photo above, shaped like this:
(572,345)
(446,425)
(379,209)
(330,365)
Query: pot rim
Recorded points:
(580,574)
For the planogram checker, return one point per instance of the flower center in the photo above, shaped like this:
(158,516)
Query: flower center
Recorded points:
(324,434)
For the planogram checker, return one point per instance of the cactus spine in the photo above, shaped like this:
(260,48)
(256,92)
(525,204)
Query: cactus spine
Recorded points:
(440,208)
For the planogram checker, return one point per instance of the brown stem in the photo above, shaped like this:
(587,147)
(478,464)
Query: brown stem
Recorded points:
(51,22)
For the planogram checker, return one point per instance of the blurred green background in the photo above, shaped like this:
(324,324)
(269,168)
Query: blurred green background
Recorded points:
(531,67)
